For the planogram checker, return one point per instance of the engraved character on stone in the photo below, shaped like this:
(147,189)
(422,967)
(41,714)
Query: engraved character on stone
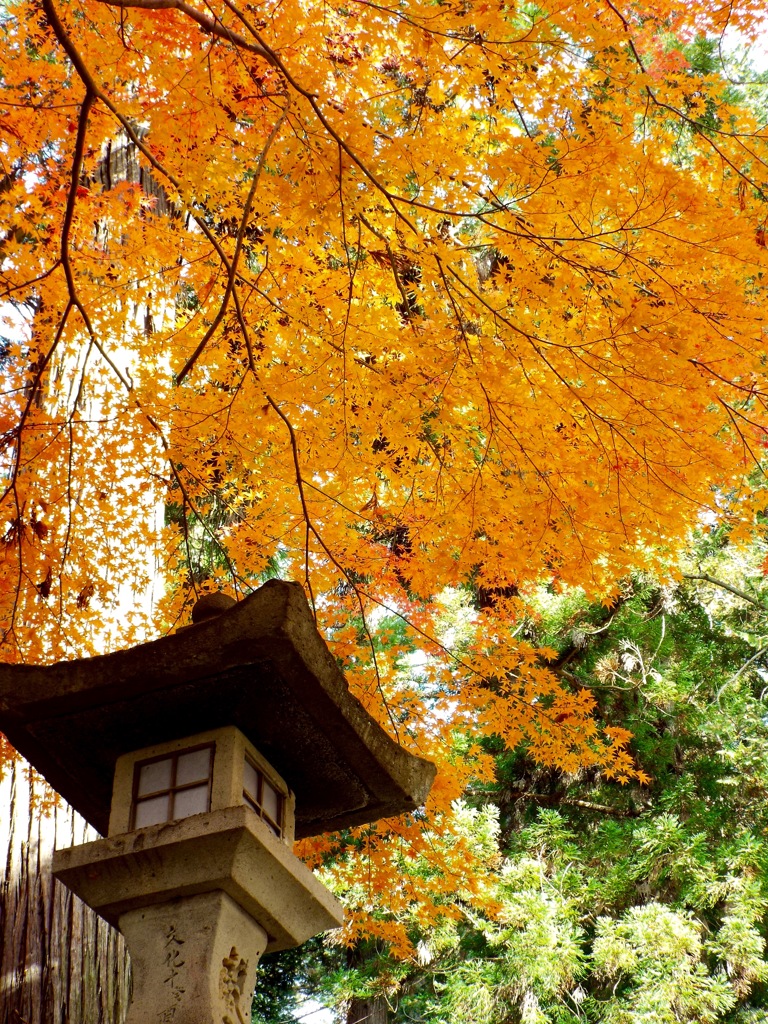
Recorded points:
(232,977)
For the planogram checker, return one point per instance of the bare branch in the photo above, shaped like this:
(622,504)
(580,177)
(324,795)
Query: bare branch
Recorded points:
(725,586)
(588,805)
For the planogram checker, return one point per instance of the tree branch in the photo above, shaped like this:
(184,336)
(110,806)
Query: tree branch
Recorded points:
(725,586)
(213,26)
(232,268)
(588,805)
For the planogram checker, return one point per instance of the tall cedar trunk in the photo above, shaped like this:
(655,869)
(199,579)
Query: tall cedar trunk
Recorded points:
(120,162)
(370,1009)
(367,1011)
(59,962)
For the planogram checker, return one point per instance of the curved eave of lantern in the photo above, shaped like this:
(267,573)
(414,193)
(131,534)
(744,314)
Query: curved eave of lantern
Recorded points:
(262,667)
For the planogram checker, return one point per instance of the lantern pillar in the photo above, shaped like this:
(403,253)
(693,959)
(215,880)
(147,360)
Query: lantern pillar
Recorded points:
(194,961)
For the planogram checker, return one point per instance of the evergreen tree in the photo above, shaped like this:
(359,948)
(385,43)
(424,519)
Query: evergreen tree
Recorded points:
(612,904)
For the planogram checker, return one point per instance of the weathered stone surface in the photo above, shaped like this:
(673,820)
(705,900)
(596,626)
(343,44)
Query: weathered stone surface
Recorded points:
(209,605)
(261,666)
(194,961)
(230,851)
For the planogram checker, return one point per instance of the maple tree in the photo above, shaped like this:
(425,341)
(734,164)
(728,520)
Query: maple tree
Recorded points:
(405,297)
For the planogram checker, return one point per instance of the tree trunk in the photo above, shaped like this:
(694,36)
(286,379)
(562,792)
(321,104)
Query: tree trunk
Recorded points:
(59,962)
(367,1011)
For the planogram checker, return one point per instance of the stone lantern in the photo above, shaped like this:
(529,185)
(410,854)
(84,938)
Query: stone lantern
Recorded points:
(200,757)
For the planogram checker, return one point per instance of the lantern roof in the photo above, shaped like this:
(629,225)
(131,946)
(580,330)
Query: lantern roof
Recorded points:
(260,666)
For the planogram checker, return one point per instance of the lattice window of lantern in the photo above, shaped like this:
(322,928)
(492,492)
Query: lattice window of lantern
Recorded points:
(262,797)
(172,786)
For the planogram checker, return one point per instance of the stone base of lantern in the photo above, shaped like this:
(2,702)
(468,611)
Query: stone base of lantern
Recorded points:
(194,961)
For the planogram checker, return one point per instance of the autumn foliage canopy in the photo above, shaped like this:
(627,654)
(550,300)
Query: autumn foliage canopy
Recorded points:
(401,300)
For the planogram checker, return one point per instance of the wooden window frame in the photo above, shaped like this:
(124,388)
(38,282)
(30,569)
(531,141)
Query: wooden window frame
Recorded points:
(171,791)
(257,807)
